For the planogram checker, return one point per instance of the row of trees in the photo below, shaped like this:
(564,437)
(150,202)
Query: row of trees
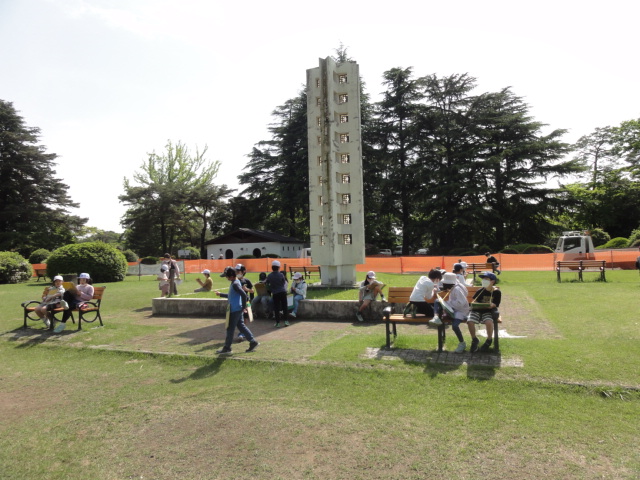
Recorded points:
(443,167)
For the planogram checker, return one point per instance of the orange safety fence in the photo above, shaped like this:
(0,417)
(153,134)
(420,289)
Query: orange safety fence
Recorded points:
(624,259)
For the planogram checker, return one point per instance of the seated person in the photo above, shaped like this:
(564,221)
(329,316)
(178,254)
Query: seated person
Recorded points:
(50,301)
(370,288)
(299,290)
(263,296)
(490,295)
(76,297)
(460,269)
(207,285)
(425,289)
(494,261)
(454,296)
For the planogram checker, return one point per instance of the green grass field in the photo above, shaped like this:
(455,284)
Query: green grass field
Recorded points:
(315,407)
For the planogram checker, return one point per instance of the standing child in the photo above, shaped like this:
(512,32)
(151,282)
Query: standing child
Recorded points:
(486,301)
(454,294)
(277,283)
(50,300)
(237,299)
(247,286)
(163,280)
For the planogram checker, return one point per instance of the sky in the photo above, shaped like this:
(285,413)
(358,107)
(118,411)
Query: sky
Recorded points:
(110,81)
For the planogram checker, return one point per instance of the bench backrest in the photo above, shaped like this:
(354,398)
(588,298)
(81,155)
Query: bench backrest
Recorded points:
(402,294)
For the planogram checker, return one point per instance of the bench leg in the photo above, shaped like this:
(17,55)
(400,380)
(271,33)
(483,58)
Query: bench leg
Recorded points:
(441,337)
(496,337)
(388,329)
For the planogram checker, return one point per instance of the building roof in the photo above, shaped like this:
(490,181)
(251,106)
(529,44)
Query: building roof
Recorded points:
(249,235)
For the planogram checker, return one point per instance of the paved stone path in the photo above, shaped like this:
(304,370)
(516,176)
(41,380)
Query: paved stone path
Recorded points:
(445,358)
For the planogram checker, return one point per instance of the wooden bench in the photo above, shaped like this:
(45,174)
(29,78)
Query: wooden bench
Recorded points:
(307,271)
(89,314)
(477,268)
(399,297)
(581,266)
(41,273)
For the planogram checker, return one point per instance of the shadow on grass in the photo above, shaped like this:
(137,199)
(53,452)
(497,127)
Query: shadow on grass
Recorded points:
(203,372)
(143,309)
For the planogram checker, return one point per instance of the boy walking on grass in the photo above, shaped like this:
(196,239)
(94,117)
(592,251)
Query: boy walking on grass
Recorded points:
(237,299)
(484,309)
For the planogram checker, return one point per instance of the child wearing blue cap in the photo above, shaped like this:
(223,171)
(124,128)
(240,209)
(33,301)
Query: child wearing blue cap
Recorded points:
(484,309)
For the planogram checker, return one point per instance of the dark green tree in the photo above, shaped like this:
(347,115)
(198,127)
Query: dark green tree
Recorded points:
(33,202)
(277,175)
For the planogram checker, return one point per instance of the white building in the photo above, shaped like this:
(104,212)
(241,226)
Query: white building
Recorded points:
(246,241)
(335,170)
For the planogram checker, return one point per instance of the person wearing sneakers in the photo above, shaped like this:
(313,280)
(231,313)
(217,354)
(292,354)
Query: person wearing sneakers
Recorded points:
(207,285)
(50,301)
(277,283)
(76,298)
(237,299)
(484,309)
(369,290)
(454,294)
(247,286)
(299,290)
(424,290)
(263,297)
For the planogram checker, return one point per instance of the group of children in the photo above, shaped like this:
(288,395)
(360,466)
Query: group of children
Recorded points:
(450,290)
(56,297)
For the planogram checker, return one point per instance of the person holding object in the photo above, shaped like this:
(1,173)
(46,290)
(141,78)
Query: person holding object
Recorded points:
(237,299)
(207,285)
(369,290)
(263,297)
(453,299)
(174,272)
(484,309)
(299,290)
(163,280)
(76,298)
(50,300)
(425,289)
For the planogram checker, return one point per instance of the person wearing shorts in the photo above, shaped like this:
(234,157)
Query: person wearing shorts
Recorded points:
(492,296)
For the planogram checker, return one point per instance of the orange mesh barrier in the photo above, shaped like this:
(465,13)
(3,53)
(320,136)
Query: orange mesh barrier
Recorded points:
(624,259)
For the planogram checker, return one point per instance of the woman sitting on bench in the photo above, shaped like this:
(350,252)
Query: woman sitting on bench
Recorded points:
(76,298)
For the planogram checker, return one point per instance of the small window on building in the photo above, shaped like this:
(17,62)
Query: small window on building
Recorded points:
(319,140)
(343,98)
(346,178)
(346,198)
(319,160)
(320,180)
(346,219)
(345,158)
(322,220)
(317,83)
(318,101)
(344,138)
(342,78)
(344,118)
(320,200)
(346,239)
(321,239)
(319,122)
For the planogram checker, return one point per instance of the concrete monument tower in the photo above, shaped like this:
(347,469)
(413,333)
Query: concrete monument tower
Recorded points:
(335,170)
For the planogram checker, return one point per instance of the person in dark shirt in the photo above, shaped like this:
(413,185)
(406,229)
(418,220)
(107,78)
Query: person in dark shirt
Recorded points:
(493,260)
(277,283)
(486,301)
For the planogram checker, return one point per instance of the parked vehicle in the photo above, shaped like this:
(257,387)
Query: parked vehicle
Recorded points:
(575,245)
(397,251)
(422,251)
(385,251)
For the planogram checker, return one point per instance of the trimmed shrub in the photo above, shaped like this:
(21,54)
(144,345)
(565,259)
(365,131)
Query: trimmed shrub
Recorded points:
(599,237)
(104,262)
(634,238)
(246,256)
(271,255)
(14,268)
(39,255)
(150,261)
(537,249)
(509,250)
(618,242)
(130,255)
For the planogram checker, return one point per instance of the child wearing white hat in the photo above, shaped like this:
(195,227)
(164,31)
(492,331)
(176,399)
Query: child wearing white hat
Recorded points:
(207,285)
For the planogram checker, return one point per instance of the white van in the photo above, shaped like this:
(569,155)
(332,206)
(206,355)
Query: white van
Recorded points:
(384,251)
(575,245)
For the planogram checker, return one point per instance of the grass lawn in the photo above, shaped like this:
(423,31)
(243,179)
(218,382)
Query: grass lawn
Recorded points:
(315,407)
